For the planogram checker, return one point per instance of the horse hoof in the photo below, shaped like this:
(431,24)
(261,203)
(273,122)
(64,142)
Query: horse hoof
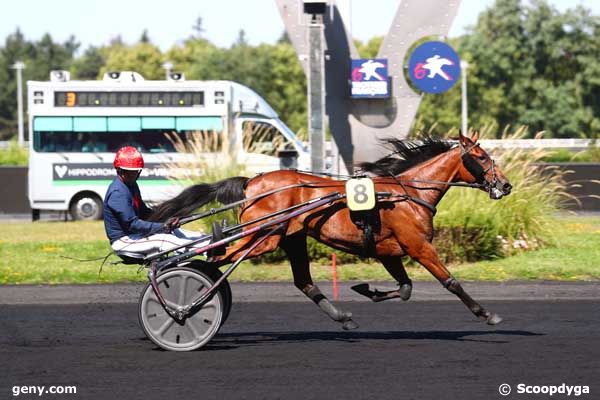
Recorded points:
(405,291)
(349,325)
(346,316)
(494,319)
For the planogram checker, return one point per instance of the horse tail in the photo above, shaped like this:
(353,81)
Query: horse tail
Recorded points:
(226,191)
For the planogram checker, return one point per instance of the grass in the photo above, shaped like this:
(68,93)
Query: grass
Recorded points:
(14,155)
(32,253)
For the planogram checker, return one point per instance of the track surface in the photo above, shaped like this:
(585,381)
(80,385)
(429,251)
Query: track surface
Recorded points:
(414,350)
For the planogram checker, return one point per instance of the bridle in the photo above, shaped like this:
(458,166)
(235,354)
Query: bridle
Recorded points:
(477,170)
(473,167)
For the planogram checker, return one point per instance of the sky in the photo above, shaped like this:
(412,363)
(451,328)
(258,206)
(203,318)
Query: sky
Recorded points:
(95,22)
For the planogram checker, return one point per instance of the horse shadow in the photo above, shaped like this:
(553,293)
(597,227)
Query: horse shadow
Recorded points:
(237,339)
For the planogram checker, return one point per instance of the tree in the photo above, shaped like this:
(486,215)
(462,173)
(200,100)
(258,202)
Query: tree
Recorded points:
(529,65)
(369,49)
(241,39)
(198,28)
(198,58)
(284,38)
(15,48)
(144,58)
(145,38)
(88,66)
(40,58)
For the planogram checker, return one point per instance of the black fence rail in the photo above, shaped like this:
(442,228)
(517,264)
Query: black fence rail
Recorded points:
(581,178)
(13,187)
(13,190)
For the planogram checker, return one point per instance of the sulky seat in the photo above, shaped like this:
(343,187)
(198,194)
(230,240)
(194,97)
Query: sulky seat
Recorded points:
(129,257)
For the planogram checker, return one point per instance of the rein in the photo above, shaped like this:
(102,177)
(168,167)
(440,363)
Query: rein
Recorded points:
(463,184)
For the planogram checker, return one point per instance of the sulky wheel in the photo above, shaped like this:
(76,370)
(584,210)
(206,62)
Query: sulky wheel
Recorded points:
(180,286)
(225,289)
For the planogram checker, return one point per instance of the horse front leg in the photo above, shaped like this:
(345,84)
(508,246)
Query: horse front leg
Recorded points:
(427,256)
(394,266)
(295,248)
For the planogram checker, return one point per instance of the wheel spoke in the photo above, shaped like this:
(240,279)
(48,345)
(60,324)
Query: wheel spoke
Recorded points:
(165,326)
(182,290)
(171,304)
(190,323)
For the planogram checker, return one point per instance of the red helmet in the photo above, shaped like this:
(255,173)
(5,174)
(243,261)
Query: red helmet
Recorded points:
(129,158)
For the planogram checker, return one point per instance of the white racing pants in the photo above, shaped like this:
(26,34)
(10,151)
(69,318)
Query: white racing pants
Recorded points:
(159,242)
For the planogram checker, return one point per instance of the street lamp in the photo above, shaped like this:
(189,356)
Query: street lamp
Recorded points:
(463,71)
(19,66)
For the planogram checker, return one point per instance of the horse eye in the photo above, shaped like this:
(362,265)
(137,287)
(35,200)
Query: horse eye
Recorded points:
(482,158)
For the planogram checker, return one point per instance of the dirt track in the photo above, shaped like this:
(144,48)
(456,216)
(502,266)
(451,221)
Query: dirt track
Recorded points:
(415,350)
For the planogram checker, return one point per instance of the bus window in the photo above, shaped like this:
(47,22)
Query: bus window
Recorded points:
(263,138)
(146,141)
(93,144)
(52,142)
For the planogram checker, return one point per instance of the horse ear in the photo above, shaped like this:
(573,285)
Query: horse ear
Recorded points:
(475,136)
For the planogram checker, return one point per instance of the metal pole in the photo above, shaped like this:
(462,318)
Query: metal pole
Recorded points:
(316,93)
(19,66)
(463,68)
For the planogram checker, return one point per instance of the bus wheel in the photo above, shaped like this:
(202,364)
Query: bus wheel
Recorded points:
(86,206)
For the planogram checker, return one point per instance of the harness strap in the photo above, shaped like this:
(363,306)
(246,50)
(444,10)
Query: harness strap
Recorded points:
(463,184)
(425,204)
(416,200)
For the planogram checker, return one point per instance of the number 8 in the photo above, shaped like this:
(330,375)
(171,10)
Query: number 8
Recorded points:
(360,194)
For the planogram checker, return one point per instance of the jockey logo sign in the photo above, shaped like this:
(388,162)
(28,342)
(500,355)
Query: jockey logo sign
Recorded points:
(434,67)
(369,78)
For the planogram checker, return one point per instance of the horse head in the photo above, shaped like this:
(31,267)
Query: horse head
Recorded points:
(478,167)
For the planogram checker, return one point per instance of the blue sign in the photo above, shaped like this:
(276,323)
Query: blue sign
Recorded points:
(369,78)
(434,67)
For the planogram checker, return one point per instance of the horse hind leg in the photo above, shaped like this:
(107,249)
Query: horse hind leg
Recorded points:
(295,248)
(396,269)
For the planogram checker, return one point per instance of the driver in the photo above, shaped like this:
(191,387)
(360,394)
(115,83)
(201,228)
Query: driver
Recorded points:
(125,213)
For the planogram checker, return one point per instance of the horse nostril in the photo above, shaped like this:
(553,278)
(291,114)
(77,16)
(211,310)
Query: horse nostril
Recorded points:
(507,187)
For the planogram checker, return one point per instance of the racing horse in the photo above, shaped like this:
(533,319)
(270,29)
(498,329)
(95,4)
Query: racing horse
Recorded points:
(415,177)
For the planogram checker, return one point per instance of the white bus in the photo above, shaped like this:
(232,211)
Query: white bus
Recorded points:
(77,126)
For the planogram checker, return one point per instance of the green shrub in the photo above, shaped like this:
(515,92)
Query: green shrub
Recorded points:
(14,155)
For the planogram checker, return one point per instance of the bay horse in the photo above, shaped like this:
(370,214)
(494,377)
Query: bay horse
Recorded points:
(416,175)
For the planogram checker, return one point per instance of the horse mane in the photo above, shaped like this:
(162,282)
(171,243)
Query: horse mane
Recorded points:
(406,154)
